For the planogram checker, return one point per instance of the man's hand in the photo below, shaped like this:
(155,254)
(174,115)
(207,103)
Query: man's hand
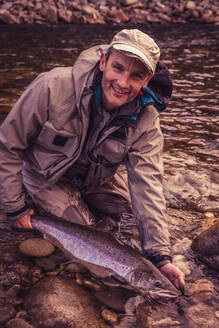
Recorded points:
(24,222)
(174,274)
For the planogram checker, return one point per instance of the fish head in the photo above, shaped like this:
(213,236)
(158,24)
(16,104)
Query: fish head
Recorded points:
(149,280)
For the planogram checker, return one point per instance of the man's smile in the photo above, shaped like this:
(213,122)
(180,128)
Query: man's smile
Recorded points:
(119,91)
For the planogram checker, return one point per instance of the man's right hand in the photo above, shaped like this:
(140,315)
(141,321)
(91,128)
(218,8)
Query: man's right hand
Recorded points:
(24,222)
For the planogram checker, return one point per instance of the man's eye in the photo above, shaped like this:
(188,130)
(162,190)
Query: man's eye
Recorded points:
(118,68)
(137,76)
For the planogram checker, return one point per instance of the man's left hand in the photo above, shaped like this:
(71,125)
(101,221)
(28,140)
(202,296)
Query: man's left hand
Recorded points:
(174,274)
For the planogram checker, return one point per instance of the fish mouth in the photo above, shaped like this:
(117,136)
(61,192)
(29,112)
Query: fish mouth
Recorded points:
(163,293)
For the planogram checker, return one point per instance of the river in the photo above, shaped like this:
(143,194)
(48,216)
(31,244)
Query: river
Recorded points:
(189,124)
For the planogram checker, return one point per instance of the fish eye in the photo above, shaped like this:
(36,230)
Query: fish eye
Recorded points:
(157,284)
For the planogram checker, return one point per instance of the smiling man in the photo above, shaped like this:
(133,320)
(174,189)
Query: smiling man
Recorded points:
(85,142)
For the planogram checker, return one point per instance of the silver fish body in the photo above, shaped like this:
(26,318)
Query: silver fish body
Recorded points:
(88,245)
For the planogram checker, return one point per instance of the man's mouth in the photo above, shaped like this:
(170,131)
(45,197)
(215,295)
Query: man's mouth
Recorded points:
(119,91)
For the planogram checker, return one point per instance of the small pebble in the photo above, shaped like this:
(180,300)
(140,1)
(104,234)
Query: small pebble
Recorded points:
(74,267)
(166,322)
(36,247)
(217,314)
(209,214)
(109,316)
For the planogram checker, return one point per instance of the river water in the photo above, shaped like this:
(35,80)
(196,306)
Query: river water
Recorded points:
(190,123)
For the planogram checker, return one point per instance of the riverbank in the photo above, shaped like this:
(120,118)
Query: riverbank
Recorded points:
(108,11)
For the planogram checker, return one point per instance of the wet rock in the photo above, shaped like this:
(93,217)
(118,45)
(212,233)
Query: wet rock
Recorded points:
(201,315)
(75,267)
(14,290)
(119,16)
(65,15)
(54,302)
(209,214)
(18,323)
(129,2)
(81,280)
(190,5)
(165,323)
(36,247)
(109,316)
(21,269)
(201,290)
(10,278)
(35,271)
(206,245)
(46,263)
(6,313)
(114,298)
(52,15)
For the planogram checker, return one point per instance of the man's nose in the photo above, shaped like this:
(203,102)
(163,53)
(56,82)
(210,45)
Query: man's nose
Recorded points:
(123,80)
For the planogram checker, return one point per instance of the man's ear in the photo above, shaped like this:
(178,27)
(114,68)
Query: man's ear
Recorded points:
(102,62)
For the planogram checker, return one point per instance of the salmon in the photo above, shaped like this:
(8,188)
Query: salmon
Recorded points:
(90,246)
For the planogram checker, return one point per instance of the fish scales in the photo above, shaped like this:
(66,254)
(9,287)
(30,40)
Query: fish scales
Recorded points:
(79,241)
(88,245)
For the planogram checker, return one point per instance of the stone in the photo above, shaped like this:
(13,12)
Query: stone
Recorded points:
(152,18)
(46,263)
(52,15)
(21,269)
(217,314)
(65,15)
(191,5)
(6,313)
(55,302)
(119,16)
(109,316)
(14,290)
(36,247)
(209,214)
(18,323)
(201,290)
(165,323)
(8,18)
(201,315)
(115,298)
(164,17)
(207,14)
(129,2)
(75,267)
(35,271)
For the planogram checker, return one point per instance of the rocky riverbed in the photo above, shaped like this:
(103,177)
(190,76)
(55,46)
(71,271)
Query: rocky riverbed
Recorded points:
(108,11)
(47,290)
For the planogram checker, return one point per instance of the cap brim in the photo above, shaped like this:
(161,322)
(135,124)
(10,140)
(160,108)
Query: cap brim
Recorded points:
(136,52)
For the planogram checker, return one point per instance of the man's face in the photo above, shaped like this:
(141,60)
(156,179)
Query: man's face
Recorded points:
(123,78)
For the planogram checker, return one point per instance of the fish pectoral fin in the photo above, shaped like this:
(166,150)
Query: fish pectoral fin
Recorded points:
(114,281)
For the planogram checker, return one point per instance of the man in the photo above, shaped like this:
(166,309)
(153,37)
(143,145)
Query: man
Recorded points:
(68,138)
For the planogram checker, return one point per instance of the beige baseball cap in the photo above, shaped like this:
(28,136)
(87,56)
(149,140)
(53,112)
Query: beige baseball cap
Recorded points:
(139,44)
